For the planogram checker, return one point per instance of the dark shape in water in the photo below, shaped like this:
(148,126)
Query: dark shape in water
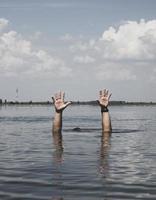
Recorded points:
(77,129)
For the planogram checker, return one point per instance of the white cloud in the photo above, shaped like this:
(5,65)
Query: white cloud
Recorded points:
(132,40)
(121,52)
(19,57)
(3,23)
(83,46)
(66,37)
(84,59)
(114,71)
(37,35)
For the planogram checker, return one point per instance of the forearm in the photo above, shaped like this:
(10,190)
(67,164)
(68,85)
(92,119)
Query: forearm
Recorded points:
(106,120)
(57,123)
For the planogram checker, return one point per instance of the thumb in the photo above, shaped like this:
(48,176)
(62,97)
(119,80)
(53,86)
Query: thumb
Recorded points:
(67,103)
(98,102)
(110,96)
(53,99)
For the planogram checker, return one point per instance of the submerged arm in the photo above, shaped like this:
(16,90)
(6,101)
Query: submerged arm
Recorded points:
(57,123)
(106,121)
(104,97)
(60,105)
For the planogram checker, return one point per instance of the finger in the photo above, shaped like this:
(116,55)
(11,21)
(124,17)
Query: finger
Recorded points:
(104,92)
(68,103)
(107,92)
(62,95)
(109,96)
(53,99)
(100,93)
(98,102)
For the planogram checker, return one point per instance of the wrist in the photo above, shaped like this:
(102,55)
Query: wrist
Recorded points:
(58,111)
(104,109)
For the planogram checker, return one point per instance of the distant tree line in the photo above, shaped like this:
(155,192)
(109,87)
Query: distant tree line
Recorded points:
(73,102)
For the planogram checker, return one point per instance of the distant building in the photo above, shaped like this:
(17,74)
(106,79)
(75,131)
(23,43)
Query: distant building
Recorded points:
(1,101)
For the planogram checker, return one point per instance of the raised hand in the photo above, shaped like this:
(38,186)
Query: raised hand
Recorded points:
(104,98)
(59,103)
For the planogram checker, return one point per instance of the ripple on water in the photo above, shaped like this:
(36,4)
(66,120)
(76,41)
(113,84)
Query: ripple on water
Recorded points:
(84,164)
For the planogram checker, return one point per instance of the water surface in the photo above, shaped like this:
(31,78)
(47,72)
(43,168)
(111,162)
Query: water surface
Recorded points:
(84,164)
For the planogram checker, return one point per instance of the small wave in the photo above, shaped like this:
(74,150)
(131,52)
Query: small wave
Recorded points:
(129,119)
(25,119)
(78,129)
(126,130)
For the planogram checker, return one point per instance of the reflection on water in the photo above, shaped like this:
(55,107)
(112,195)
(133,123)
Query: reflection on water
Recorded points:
(58,146)
(58,156)
(104,151)
(57,160)
(79,164)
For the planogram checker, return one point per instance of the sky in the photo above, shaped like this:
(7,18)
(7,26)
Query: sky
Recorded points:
(78,47)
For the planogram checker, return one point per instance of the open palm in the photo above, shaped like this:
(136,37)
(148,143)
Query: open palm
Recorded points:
(104,97)
(58,101)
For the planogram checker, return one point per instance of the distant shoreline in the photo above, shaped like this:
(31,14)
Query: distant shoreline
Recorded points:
(119,103)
